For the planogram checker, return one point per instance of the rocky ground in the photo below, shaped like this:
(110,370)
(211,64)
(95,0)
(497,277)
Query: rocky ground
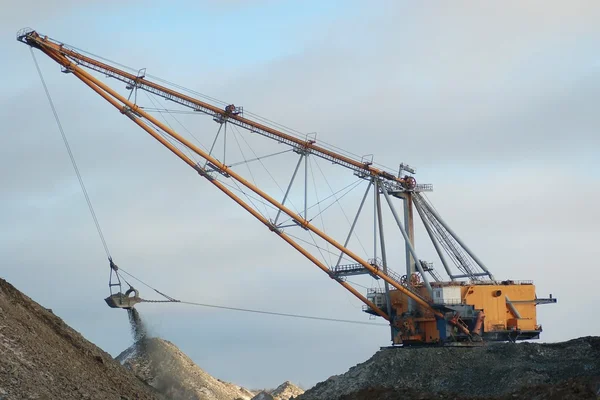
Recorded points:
(43,358)
(572,389)
(162,365)
(523,370)
(285,391)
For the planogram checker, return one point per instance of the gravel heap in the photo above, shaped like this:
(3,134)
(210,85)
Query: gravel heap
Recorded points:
(263,395)
(41,357)
(287,390)
(162,365)
(493,371)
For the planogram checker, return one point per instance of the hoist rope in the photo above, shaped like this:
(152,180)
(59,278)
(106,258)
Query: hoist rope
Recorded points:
(68,147)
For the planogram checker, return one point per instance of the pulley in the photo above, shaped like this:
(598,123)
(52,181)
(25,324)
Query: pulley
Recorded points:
(410,183)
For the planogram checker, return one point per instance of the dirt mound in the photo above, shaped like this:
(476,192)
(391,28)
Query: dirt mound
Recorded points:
(572,389)
(41,357)
(491,371)
(263,396)
(404,394)
(162,365)
(286,390)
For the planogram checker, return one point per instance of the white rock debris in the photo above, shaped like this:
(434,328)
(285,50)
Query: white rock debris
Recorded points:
(285,391)
(162,365)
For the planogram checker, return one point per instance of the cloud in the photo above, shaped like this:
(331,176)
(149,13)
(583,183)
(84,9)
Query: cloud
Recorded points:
(451,84)
(492,103)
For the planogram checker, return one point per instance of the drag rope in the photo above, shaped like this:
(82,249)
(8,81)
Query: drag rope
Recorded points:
(172,300)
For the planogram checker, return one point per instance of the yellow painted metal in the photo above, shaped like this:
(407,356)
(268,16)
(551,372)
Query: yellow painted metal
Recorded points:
(491,298)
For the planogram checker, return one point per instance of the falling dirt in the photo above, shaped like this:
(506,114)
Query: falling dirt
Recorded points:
(138,328)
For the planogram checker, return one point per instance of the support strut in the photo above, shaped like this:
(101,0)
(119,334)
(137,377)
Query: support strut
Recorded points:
(407,239)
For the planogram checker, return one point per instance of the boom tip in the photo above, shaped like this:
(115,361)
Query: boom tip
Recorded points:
(22,34)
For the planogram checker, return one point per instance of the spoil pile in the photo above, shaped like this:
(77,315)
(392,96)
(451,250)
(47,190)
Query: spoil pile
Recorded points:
(492,371)
(572,389)
(43,358)
(263,395)
(287,390)
(162,365)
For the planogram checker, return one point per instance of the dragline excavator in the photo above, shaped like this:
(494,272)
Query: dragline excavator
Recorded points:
(468,308)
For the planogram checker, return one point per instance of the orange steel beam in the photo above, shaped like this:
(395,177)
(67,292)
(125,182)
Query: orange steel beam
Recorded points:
(232,195)
(95,64)
(80,73)
(223,188)
(63,60)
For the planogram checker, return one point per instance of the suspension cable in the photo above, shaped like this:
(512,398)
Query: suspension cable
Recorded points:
(104,244)
(275,124)
(66,142)
(350,187)
(259,158)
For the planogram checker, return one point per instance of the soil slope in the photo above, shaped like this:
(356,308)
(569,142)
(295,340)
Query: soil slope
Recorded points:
(492,371)
(287,390)
(161,364)
(572,389)
(43,358)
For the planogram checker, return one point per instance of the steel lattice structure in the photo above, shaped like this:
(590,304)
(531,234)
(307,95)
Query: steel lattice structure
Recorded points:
(381,182)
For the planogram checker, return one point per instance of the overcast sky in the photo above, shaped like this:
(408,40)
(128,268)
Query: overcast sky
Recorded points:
(495,103)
